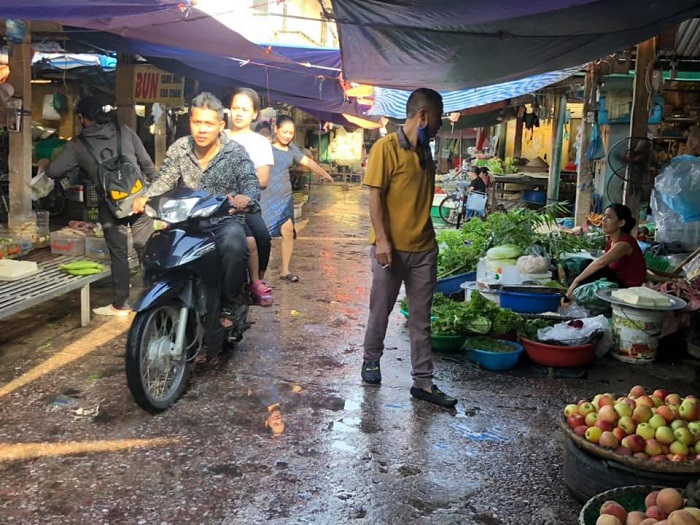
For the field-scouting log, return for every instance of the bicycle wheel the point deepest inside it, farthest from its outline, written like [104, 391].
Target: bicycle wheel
[451, 210]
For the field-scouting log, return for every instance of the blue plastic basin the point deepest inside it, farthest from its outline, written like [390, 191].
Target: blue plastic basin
[530, 303]
[497, 361]
[537, 197]
[450, 285]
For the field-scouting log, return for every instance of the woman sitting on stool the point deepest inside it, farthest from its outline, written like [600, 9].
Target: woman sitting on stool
[623, 262]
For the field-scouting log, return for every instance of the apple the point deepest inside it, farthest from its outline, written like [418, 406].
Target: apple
[581, 430]
[627, 424]
[613, 508]
[653, 447]
[664, 435]
[593, 434]
[637, 391]
[623, 409]
[678, 448]
[645, 400]
[640, 455]
[672, 399]
[660, 393]
[694, 427]
[660, 457]
[691, 396]
[678, 457]
[570, 410]
[646, 431]
[608, 440]
[619, 433]
[657, 421]
[678, 423]
[605, 426]
[683, 435]
[575, 421]
[591, 419]
[688, 410]
[642, 413]
[581, 401]
[634, 443]
[663, 411]
[656, 400]
[586, 408]
[655, 512]
[608, 413]
[624, 451]
[605, 400]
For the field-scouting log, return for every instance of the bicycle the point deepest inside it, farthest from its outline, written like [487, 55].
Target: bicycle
[462, 205]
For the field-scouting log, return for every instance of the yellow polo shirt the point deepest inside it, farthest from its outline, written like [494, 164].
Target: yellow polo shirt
[407, 189]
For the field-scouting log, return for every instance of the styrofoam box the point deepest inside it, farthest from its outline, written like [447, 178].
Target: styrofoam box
[62, 244]
[96, 247]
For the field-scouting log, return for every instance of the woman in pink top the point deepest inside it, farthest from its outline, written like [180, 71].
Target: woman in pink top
[623, 262]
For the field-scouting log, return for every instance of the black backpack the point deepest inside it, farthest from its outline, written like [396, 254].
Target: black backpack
[118, 181]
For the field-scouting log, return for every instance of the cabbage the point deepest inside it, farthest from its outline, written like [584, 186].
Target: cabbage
[479, 325]
[532, 264]
[505, 251]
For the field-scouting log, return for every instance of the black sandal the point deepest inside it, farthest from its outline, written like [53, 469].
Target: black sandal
[227, 314]
[292, 278]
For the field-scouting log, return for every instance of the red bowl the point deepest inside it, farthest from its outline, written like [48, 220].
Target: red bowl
[561, 356]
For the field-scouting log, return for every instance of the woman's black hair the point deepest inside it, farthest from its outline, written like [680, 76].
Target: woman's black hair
[283, 119]
[95, 109]
[483, 170]
[624, 214]
[263, 125]
[251, 94]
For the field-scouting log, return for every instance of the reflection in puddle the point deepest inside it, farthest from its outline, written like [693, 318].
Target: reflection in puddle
[341, 445]
[495, 435]
[351, 404]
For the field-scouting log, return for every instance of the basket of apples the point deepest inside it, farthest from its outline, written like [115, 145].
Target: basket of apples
[639, 505]
[655, 432]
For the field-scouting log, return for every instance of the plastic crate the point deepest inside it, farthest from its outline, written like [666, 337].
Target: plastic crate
[62, 244]
[90, 195]
[96, 247]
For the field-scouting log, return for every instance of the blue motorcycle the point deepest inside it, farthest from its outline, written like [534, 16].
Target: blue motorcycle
[177, 316]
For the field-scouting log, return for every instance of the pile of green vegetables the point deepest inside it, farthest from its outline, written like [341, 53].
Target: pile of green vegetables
[528, 330]
[460, 250]
[487, 344]
[477, 316]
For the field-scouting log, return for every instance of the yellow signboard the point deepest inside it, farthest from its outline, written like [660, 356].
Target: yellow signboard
[155, 85]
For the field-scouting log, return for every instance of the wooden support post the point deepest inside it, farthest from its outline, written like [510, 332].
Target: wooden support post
[20, 157]
[639, 124]
[518, 140]
[125, 90]
[585, 176]
[557, 140]
[502, 135]
[160, 139]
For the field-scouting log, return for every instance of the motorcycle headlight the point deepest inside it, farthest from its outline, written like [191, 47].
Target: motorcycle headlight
[207, 211]
[176, 210]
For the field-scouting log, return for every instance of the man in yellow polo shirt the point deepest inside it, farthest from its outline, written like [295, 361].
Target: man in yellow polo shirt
[401, 178]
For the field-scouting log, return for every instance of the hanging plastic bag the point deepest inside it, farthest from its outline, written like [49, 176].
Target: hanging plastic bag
[41, 186]
[48, 111]
[585, 295]
[595, 150]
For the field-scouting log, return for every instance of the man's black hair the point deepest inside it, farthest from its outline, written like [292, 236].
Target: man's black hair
[423, 98]
[206, 100]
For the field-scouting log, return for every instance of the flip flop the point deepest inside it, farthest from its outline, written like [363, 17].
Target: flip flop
[290, 277]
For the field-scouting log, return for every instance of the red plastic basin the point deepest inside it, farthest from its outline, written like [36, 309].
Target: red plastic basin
[561, 356]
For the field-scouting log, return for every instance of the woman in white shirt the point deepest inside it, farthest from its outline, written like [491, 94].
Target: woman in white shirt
[244, 109]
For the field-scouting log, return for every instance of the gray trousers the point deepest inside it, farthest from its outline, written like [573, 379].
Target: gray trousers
[418, 271]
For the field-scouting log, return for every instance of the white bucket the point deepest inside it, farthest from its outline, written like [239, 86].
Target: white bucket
[636, 334]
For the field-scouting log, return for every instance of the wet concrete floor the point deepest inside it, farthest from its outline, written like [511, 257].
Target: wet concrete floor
[349, 454]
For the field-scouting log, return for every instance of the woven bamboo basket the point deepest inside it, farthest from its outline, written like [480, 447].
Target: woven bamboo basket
[668, 467]
[631, 498]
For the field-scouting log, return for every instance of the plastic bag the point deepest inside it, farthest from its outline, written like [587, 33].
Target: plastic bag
[41, 186]
[566, 334]
[585, 295]
[573, 311]
[677, 190]
[595, 150]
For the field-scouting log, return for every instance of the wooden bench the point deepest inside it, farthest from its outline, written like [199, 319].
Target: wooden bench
[50, 282]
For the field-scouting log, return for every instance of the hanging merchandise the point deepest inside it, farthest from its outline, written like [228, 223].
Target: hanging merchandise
[48, 111]
[595, 150]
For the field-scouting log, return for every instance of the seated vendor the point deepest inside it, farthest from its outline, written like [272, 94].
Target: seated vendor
[623, 262]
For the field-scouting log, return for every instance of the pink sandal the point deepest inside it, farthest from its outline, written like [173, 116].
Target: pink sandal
[262, 294]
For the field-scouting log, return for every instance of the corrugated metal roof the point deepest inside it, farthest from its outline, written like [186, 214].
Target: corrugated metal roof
[688, 39]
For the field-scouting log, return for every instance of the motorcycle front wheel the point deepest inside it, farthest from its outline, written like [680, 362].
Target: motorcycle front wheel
[156, 374]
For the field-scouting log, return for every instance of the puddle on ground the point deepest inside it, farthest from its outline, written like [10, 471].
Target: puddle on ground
[351, 404]
[341, 445]
[495, 435]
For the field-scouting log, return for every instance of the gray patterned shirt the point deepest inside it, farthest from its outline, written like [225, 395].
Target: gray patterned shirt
[231, 172]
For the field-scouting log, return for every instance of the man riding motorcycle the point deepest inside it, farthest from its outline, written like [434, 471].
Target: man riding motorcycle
[207, 160]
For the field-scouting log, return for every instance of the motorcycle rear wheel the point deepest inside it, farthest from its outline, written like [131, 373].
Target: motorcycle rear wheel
[155, 377]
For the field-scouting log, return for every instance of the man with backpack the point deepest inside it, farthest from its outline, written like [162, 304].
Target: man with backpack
[114, 159]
